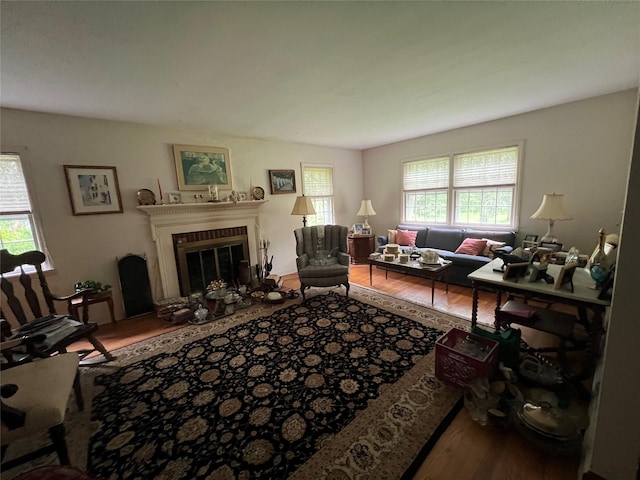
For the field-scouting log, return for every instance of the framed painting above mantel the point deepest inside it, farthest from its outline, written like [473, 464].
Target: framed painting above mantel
[197, 167]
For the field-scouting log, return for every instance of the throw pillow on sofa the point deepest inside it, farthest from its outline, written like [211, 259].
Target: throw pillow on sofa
[491, 245]
[472, 246]
[391, 236]
[406, 237]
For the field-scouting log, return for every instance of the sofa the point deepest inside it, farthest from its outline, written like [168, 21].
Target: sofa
[446, 240]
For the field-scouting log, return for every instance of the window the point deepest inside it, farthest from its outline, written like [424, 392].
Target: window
[318, 184]
[471, 189]
[19, 229]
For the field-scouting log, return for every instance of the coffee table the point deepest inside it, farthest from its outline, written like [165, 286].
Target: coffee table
[415, 268]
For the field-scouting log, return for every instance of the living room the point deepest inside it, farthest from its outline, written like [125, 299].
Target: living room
[578, 146]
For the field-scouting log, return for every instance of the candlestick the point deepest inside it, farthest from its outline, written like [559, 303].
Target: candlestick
[160, 191]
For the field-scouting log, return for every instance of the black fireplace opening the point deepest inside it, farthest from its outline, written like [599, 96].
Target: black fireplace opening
[202, 261]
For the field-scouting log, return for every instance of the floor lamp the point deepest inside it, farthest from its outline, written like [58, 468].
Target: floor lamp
[304, 207]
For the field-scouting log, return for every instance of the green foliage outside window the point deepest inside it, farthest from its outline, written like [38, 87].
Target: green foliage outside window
[16, 234]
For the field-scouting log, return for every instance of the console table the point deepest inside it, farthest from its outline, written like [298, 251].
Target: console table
[590, 308]
[360, 246]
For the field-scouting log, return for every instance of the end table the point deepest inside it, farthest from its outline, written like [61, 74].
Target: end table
[360, 246]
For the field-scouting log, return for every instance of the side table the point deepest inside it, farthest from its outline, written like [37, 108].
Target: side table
[360, 246]
[76, 303]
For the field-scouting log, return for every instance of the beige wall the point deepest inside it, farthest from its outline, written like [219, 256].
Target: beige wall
[580, 149]
[86, 247]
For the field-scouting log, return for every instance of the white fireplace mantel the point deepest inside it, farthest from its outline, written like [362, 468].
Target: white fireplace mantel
[167, 220]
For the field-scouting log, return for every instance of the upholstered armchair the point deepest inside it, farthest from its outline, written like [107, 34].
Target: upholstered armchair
[322, 260]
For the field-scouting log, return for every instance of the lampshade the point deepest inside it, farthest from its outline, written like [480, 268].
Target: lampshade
[304, 207]
[366, 209]
[551, 209]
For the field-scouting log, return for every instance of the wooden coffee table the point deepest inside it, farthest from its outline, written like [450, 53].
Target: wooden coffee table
[415, 268]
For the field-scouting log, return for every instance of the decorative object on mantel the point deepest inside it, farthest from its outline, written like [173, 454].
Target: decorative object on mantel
[93, 189]
[304, 207]
[366, 210]
[282, 181]
[199, 167]
[174, 198]
[257, 193]
[213, 193]
[551, 209]
[146, 197]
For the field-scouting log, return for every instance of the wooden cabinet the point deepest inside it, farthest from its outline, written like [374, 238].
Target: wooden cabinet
[360, 246]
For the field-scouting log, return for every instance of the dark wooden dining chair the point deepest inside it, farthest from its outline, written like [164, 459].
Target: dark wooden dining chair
[61, 331]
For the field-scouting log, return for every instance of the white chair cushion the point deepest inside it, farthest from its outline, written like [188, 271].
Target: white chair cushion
[43, 393]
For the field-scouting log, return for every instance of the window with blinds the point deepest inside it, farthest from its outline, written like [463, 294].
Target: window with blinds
[19, 231]
[317, 181]
[468, 189]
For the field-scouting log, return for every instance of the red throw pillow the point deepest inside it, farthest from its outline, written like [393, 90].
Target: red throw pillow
[406, 237]
[472, 246]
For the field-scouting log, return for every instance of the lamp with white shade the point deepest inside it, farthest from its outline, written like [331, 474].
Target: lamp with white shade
[551, 209]
[366, 210]
[304, 207]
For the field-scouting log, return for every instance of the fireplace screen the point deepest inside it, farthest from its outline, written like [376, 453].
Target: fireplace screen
[201, 262]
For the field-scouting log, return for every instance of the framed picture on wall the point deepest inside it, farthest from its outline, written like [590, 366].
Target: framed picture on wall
[93, 189]
[282, 181]
[198, 167]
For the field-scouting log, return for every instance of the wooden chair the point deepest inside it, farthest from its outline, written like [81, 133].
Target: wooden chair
[34, 399]
[61, 330]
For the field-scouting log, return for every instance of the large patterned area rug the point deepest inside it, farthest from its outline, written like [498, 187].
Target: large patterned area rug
[330, 388]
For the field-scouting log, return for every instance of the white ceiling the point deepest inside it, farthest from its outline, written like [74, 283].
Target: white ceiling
[344, 74]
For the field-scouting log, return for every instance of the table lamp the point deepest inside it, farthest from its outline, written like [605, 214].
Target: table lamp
[304, 207]
[551, 209]
[366, 210]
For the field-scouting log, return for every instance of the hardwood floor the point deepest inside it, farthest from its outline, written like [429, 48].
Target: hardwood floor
[466, 450]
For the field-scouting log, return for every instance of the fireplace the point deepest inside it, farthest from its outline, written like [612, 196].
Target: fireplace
[205, 256]
[193, 219]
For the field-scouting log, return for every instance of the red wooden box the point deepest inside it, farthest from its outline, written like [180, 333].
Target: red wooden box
[458, 368]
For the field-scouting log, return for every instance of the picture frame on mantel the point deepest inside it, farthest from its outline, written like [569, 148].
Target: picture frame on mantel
[197, 167]
[93, 189]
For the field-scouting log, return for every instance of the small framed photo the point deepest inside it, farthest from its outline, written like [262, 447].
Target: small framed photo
[282, 181]
[174, 197]
[531, 238]
[357, 228]
[538, 272]
[515, 270]
[198, 167]
[93, 189]
[366, 230]
[565, 277]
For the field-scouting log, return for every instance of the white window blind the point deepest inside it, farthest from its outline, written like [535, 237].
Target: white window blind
[426, 174]
[318, 184]
[14, 196]
[493, 167]
[318, 181]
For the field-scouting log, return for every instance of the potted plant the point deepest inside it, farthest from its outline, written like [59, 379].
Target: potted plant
[97, 287]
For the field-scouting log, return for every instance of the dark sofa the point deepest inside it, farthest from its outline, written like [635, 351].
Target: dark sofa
[445, 241]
